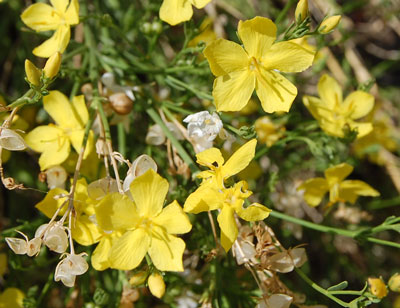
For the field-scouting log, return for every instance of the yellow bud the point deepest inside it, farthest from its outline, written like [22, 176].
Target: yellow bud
[32, 73]
[301, 11]
[394, 283]
[156, 285]
[378, 287]
[52, 65]
[138, 279]
[329, 24]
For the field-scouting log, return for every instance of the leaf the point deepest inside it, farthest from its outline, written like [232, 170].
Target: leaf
[340, 286]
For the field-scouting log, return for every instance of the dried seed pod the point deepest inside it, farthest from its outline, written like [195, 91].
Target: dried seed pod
[56, 177]
[12, 141]
[121, 103]
[139, 166]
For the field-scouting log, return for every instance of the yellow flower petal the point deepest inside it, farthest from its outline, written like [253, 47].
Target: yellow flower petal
[173, 219]
[12, 298]
[200, 3]
[76, 138]
[225, 57]
[64, 114]
[316, 107]
[116, 212]
[175, 11]
[129, 250]
[72, 13]
[314, 190]
[85, 232]
[359, 103]
[49, 205]
[79, 110]
[100, 255]
[275, 92]
[337, 173]
[258, 35]
[329, 91]
[55, 154]
[149, 191]
[254, 212]
[203, 199]
[166, 251]
[287, 57]
[43, 137]
[350, 190]
[209, 157]
[58, 42]
[240, 159]
[232, 92]
[227, 224]
[41, 17]
[363, 129]
[59, 5]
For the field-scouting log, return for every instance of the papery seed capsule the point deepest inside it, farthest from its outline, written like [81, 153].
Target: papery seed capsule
[56, 177]
[121, 103]
[12, 141]
[19, 246]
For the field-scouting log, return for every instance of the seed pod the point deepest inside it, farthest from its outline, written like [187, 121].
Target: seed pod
[56, 177]
[139, 167]
[156, 285]
[52, 65]
[32, 73]
[19, 246]
[121, 103]
[12, 141]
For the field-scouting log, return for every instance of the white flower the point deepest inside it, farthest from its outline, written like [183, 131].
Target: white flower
[11, 141]
[56, 177]
[54, 236]
[139, 166]
[70, 267]
[203, 125]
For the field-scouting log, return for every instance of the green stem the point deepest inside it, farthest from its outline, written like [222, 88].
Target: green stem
[121, 139]
[104, 120]
[197, 92]
[182, 152]
[22, 100]
[321, 228]
[320, 289]
[45, 289]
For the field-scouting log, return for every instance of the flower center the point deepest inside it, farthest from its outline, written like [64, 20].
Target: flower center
[254, 64]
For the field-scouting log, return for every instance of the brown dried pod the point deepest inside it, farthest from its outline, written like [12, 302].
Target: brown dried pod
[121, 103]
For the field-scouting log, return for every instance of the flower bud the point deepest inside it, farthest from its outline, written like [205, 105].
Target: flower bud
[378, 287]
[394, 283]
[138, 279]
[156, 285]
[121, 103]
[301, 11]
[52, 65]
[32, 73]
[329, 24]
[12, 141]
[55, 238]
[19, 246]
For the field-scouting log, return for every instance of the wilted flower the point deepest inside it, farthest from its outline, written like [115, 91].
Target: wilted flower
[70, 267]
[56, 177]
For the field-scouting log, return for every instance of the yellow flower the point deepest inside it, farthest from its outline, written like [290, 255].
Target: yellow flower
[177, 11]
[59, 17]
[339, 190]
[229, 201]
[206, 35]
[241, 70]
[54, 141]
[84, 230]
[146, 226]
[333, 114]
[12, 298]
[378, 287]
[220, 171]
[267, 131]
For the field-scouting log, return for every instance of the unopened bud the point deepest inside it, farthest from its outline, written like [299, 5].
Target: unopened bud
[121, 103]
[378, 287]
[329, 24]
[52, 65]
[394, 283]
[156, 285]
[301, 11]
[12, 141]
[138, 279]
[32, 73]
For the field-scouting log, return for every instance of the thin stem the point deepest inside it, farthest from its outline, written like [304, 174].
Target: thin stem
[214, 230]
[320, 289]
[121, 139]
